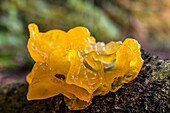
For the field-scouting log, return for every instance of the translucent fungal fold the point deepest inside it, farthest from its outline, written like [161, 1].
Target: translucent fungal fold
[73, 64]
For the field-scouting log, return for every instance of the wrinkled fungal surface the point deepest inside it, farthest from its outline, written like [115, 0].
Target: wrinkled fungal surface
[73, 64]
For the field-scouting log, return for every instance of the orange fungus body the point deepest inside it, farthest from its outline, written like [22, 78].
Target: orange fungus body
[73, 64]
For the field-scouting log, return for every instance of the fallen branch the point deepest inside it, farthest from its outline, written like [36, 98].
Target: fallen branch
[149, 92]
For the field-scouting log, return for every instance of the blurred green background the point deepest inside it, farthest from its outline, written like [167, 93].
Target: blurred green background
[148, 21]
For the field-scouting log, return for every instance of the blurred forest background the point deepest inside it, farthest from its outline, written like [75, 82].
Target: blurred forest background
[148, 21]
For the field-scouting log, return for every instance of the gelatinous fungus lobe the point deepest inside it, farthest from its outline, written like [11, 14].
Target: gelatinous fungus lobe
[73, 64]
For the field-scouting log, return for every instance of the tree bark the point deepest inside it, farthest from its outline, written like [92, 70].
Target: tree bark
[149, 92]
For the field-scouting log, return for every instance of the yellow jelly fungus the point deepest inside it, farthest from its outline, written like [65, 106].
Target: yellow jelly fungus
[73, 64]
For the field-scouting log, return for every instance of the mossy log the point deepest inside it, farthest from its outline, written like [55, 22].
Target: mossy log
[149, 92]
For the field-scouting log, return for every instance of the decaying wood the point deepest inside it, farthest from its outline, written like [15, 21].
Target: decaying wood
[149, 92]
